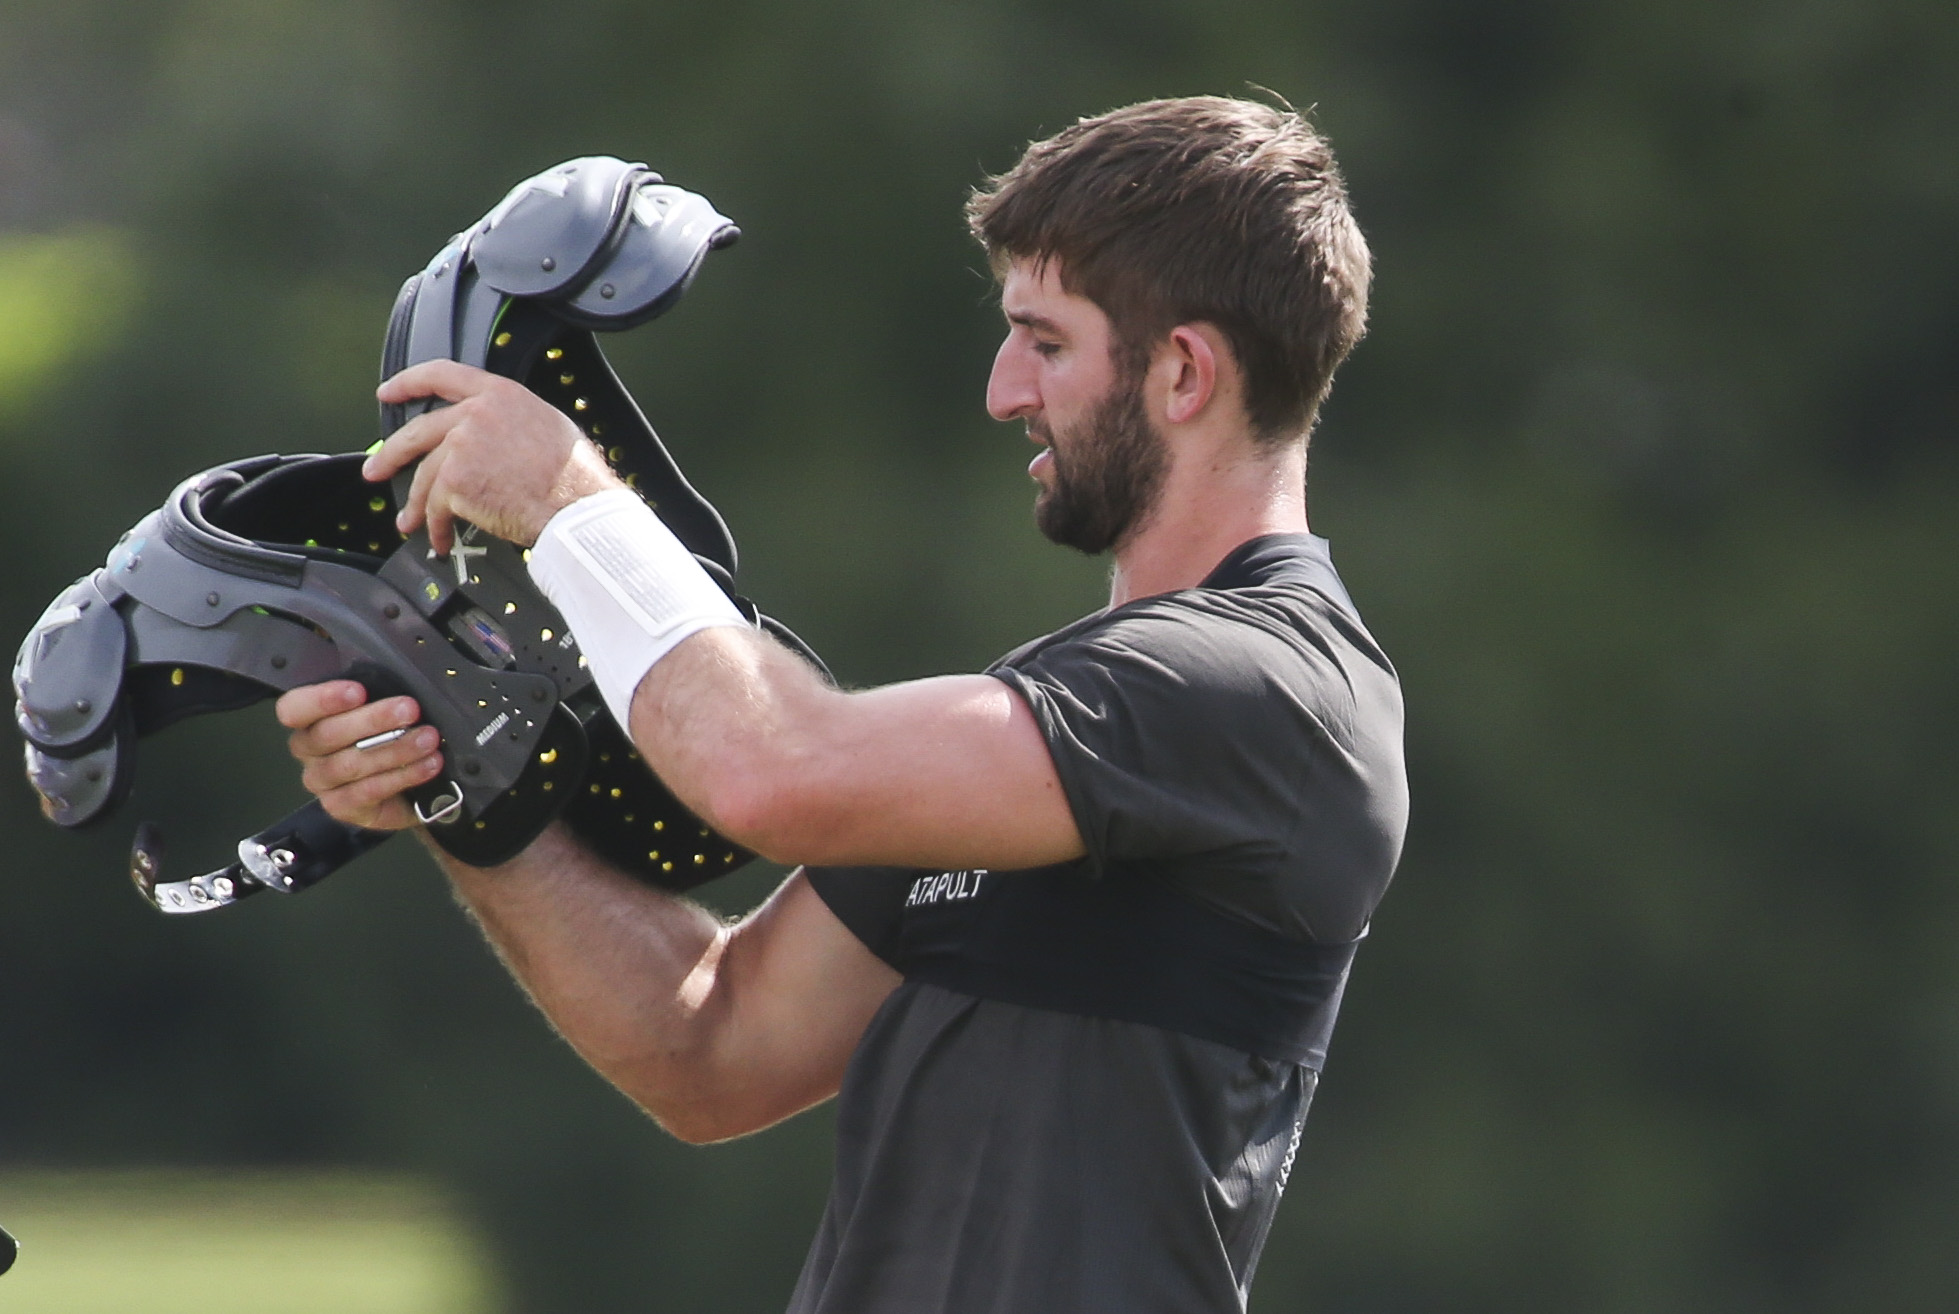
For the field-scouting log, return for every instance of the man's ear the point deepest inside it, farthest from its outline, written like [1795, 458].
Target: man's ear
[1196, 364]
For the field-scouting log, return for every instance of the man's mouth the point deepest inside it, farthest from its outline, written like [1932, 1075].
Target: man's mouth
[1043, 459]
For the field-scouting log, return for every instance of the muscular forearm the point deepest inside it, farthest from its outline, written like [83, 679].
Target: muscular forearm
[738, 727]
[716, 1029]
[946, 772]
[629, 975]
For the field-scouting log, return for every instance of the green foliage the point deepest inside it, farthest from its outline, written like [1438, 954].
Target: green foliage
[63, 296]
[1644, 477]
[238, 1243]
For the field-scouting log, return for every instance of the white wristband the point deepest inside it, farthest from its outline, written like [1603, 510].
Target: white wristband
[627, 588]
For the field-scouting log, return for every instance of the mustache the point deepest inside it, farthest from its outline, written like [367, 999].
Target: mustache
[1040, 432]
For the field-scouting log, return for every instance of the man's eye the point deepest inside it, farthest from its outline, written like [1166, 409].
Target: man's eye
[1047, 348]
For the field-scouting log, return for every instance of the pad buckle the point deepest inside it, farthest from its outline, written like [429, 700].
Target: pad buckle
[444, 807]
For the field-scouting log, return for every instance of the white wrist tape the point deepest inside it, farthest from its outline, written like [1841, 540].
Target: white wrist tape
[627, 587]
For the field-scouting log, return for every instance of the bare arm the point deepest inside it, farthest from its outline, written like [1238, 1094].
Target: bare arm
[946, 772]
[715, 1029]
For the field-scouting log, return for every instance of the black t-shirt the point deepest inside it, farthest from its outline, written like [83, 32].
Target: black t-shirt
[1087, 1092]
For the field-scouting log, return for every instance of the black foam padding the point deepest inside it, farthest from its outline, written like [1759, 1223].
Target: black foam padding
[627, 815]
[318, 504]
[566, 367]
[161, 696]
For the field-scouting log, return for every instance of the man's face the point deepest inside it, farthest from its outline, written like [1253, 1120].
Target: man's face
[1101, 462]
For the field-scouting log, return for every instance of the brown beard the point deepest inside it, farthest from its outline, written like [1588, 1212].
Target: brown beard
[1107, 473]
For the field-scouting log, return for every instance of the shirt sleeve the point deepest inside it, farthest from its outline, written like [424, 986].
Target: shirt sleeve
[1177, 733]
[867, 900]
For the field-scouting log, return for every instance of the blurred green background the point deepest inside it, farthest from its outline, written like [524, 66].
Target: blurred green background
[264, 1241]
[1646, 478]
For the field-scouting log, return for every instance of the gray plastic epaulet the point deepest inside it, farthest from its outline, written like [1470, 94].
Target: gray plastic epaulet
[546, 235]
[68, 673]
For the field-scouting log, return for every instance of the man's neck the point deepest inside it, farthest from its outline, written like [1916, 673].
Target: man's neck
[1206, 508]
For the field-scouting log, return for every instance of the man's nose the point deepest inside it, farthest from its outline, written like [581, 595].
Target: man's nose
[1010, 390]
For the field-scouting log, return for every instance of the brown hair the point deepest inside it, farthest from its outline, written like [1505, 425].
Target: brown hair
[1197, 209]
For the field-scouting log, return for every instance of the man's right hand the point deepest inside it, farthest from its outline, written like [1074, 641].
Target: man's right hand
[360, 786]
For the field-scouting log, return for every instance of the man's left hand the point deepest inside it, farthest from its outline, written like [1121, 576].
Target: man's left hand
[498, 455]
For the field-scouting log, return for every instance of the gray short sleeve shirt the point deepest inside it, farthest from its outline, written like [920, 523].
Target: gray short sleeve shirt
[1087, 1091]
